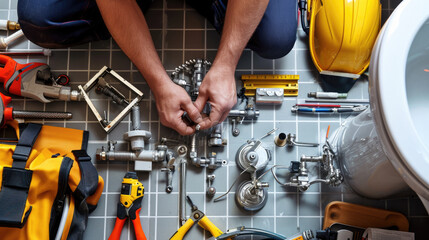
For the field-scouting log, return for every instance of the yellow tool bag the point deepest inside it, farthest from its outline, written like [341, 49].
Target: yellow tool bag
[48, 184]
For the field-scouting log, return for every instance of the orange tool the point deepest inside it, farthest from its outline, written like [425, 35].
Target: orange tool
[7, 113]
[34, 80]
[132, 193]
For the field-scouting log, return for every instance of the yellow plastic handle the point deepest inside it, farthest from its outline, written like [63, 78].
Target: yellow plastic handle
[179, 234]
[209, 226]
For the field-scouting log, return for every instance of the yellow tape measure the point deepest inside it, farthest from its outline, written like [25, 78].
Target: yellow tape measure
[131, 189]
[253, 81]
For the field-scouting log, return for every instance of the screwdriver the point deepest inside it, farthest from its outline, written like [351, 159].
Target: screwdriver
[7, 113]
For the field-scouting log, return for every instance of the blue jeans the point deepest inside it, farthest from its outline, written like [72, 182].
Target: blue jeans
[64, 23]
[275, 35]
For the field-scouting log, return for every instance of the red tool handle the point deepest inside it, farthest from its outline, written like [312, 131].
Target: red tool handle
[116, 233]
[138, 227]
[11, 73]
[9, 66]
[7, 112]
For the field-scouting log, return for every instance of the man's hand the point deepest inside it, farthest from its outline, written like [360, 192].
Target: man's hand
[172, 101]
[218, 88]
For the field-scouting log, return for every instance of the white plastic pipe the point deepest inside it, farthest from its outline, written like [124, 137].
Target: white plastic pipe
[3, 24]
[5, 41]
[63, 219]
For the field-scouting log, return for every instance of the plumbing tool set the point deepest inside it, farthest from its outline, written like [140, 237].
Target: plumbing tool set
[108, 90]
[35, 80]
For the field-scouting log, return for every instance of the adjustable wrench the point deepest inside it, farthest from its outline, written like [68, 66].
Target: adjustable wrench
[33, 80]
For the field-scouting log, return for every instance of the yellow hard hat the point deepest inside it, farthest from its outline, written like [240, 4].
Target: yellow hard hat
[342, 34]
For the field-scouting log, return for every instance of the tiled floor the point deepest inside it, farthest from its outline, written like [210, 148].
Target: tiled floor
[180, 33]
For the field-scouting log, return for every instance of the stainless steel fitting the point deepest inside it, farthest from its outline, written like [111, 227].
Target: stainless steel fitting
[252, 156]
[137, 139]
[190, 75]
[169, 170]
[215, 138]
[211, 191]
[182, 150]
[290, 142]
[238, 116]
[333, 175]
[252, 195]
[210, 162]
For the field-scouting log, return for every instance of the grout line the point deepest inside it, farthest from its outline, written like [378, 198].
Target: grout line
[88, 74]
[275, 160]
[171, 70]
[183, 34]
[319, 174]
[169, 49]
[108, 165]
[201, 193]
[129, 128]
[236, 216]
[252, 63]
[227, 173]
[244, 122]
[205, 145]
[164, 32]
[8, 17]
[296, 126]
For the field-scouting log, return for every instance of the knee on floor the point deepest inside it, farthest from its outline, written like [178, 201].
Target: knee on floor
[275, 45]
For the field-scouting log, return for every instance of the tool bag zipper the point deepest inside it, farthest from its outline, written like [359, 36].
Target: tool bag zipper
[58, 205]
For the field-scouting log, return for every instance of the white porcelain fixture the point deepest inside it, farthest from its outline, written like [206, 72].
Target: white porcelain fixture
[385, 150]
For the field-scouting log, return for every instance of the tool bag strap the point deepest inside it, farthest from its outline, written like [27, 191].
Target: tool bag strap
[25, 144]
[16, 181]
[89, 176]
[87, 187]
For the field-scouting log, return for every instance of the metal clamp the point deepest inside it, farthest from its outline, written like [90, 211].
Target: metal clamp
[107, 89]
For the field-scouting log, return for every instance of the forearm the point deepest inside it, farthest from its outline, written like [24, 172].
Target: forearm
[128, 27]
[242, 18]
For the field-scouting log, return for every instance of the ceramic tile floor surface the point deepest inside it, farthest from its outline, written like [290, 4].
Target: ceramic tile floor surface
[180, 33]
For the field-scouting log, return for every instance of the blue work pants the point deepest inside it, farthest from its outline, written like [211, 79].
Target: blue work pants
[64, 23]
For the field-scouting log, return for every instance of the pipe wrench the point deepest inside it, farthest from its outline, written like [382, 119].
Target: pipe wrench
[33, 80]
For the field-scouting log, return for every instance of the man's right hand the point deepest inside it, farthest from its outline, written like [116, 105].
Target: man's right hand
[172, 101]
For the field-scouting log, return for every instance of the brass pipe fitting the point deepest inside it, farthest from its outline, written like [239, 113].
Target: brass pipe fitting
[280, 140]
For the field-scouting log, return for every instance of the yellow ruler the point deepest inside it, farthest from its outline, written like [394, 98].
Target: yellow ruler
[253, 81]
